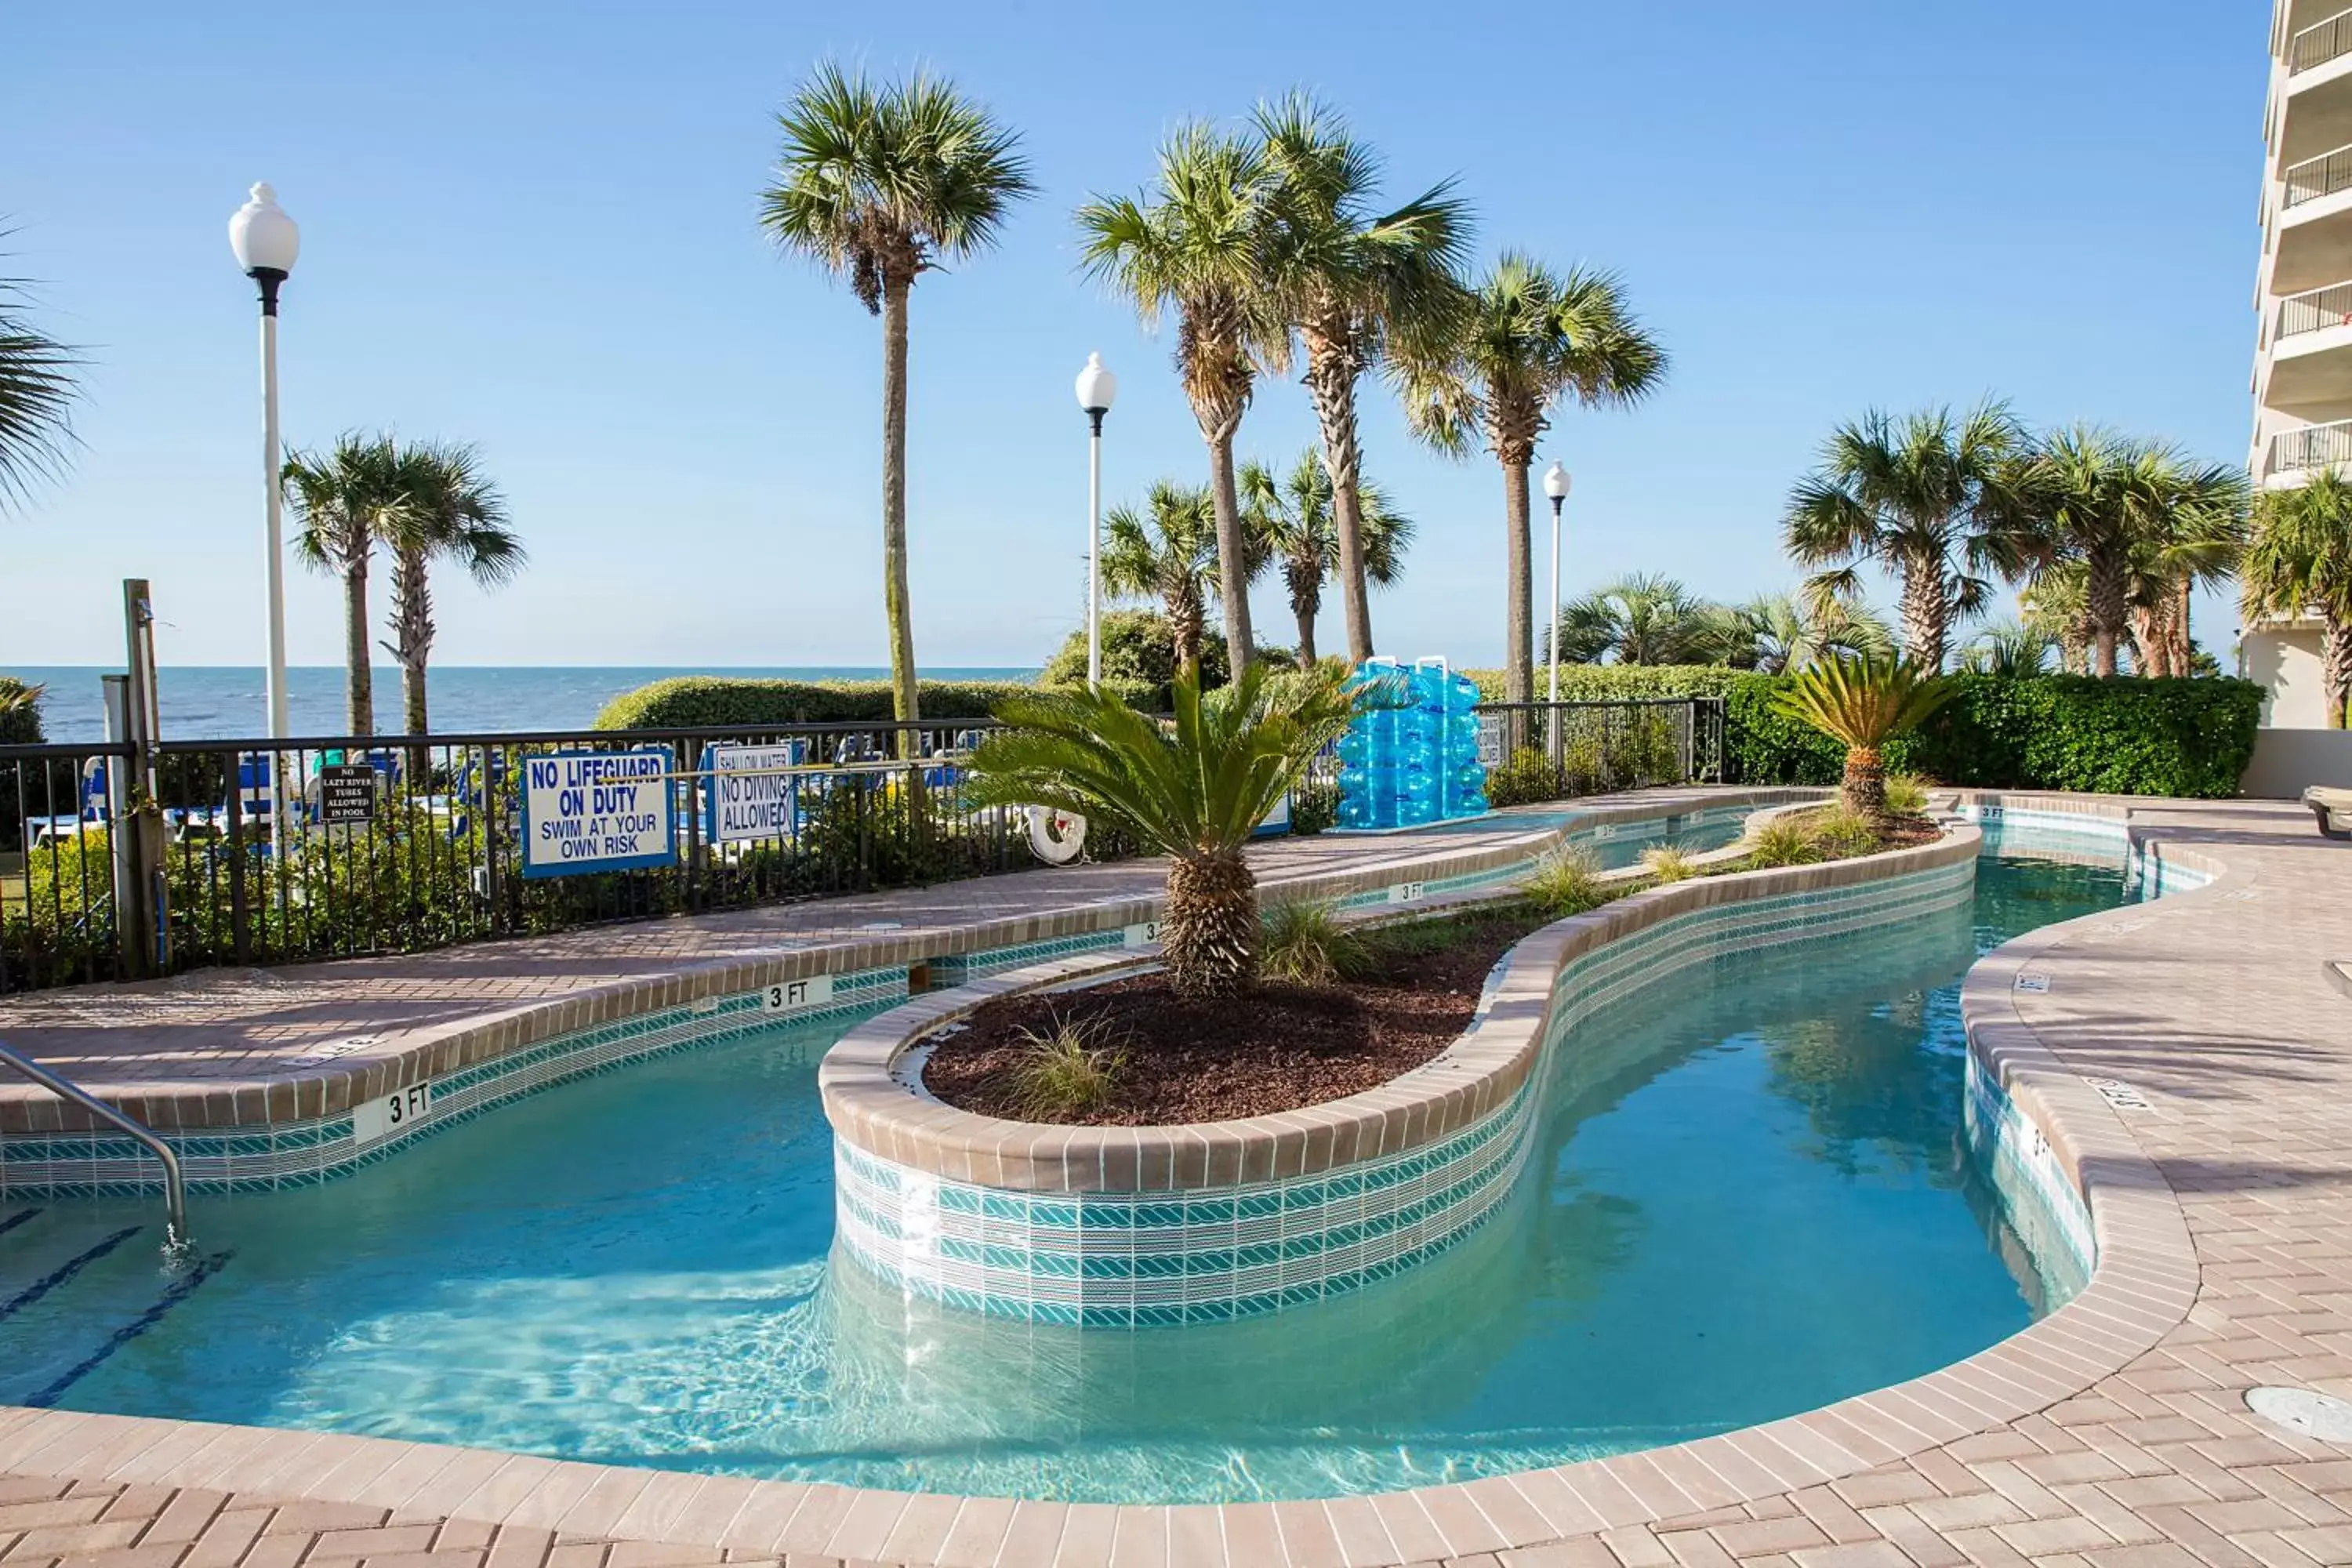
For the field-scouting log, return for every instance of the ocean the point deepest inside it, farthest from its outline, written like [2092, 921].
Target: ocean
[223, 702]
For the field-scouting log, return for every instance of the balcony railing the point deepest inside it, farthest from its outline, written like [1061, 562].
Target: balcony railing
[2315, 309]
[2312, 446]
[2319, 43]
[2321, 176]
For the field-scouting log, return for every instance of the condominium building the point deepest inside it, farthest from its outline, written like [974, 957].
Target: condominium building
[2303, 297]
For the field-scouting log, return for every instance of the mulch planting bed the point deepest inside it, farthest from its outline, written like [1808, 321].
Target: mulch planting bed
[1278, 1048]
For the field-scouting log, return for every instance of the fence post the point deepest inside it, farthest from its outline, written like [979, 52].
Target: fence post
[689, 751]
[1690, 742]
[144, 913]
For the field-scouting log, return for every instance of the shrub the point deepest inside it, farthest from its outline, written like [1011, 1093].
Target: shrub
[1566, 881]
[1782, 841]
[1668, 863]
[693, 701]
[1139, 658]
[1314, 807]
[1528, 777]
[1303, 943]
[1072, 1067]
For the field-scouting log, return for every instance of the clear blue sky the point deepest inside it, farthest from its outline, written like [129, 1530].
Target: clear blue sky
[532, 226]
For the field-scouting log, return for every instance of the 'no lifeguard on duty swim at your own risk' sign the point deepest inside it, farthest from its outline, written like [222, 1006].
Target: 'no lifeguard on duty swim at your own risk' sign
[597, 811]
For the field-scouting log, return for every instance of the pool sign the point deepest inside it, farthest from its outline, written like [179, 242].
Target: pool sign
[748, 793]
[597, 811]
[346, 792]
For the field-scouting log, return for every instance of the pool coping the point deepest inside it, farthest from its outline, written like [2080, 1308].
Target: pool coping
[2142, 1285]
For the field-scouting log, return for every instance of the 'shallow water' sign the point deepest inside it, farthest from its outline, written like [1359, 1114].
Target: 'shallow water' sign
[748, 793]
[597, 811]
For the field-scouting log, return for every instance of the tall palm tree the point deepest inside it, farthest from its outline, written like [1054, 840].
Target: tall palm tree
[2298, 561]
[36, 395]
[2195, 538]
[1194, 790]
[2054, 603]
[1290, 522]
[1353, 280]
[1528, 338]
[346, 500]
[1643, 619]
[1195, 245]
[1782, 633]
[884, 183]
[1168, 552]
[1925, 496]
[450, 511]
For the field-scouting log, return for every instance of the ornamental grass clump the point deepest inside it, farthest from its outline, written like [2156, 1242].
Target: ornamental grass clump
[1304, 944]
[1842, 832]
[1782, 840]
[1907, 795]
[1668, 863]
[1071, 1067]
[1192, 788]
[1566, 881]
[1863, 704]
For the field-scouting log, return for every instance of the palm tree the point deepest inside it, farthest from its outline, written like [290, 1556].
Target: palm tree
[1926, 496]
[1781, 634]
[2299, 563]
[346, 500]
[36, 395]
[2195, 538]
[2054, 603]
[1643, 619]
[1863, 704]
[450, 511]
[1169, 553]
[1290, 522]
[2010, 648]
[1352, 280]
[1196, 246]
[1194, 790]
[884, 183]
[1528, 339]
[20, 712]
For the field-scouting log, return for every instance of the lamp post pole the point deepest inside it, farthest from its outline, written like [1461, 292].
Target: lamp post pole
[1555, 488]
[266, 242]
[1096, 387]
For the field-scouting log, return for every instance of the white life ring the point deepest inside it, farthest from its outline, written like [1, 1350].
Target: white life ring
[1056, 836]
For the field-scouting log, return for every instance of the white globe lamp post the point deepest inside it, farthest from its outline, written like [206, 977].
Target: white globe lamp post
[1556, 487]
[1096, 388]
[266, 242]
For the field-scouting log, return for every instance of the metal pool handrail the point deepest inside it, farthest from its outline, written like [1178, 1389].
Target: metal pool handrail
[175, 1197]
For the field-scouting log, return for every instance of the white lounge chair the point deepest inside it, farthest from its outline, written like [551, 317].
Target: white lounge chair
[2332, 808]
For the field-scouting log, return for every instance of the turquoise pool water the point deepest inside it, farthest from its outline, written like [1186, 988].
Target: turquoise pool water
[1748, 1198]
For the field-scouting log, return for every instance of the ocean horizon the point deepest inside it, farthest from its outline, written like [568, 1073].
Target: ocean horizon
[210, 702]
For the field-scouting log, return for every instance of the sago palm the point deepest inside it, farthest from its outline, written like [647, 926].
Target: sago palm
[1924, 496]
[1528, 338]
[37, 395]
[1193, 789]
[1290, 523]
[1195, 245]
[2298, 561]
[883, 184]
[346, 501]
[1168, 552]
[450, 511]
[1352, 279]
[1863, 704]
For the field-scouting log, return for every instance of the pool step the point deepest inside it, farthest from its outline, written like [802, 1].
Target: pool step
[75, 1288]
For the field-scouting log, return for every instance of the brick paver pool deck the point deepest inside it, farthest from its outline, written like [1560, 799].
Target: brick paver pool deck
[2112, 1433]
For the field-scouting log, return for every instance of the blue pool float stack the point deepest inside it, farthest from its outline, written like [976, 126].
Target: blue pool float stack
[1416, 761]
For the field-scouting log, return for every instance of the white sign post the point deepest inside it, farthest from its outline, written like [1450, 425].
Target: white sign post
[597, 811]
[748, 793]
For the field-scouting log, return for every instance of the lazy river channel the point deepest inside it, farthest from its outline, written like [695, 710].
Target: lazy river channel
[1750, 1196]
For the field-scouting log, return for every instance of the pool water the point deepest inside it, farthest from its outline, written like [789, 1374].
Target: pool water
[1749, 1198]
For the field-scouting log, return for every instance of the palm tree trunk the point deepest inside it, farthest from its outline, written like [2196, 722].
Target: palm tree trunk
[1332, 369]
[359, 678]
[1863, 789]
[2106, 603]
[905, 704]
[1185, 617]
[2184, 663]
[1231, 576]
[1519, 573]
[1209, 939]
[1927, 612]
[2335, 669]
[1306, 599]
[412, 612]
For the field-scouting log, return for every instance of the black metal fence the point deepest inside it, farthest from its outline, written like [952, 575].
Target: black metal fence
[398, 844]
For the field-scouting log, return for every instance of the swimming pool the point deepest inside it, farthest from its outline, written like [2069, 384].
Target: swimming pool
[1747, 1198]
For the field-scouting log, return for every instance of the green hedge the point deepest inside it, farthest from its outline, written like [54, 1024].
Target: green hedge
[687, 701]
[2182, 738]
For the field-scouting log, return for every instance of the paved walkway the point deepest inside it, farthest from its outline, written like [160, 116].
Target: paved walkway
[2226, 1202]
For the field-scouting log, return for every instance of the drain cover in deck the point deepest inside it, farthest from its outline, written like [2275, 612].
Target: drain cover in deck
[2304, 1413]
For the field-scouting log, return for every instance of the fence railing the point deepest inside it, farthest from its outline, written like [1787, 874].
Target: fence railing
[2315, 309]
[400, 844]
[2312, 446]
[2317, 177]
[2319, 43]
